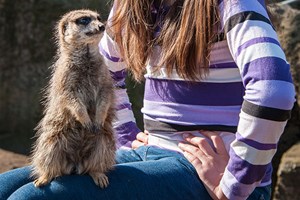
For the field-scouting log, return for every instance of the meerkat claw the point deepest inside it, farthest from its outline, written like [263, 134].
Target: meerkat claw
[100, 179]
[40, 182]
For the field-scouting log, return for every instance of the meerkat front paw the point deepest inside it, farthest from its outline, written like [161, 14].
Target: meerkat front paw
[100, 179]
[41, 182]
[82, 116]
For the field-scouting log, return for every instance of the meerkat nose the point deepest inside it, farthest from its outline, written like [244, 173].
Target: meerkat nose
[101, 27]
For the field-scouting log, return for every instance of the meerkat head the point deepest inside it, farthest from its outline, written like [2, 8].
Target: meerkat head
[80, 27]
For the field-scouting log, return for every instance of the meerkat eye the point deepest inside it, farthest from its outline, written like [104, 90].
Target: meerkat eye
[83, 21]
[98, 18]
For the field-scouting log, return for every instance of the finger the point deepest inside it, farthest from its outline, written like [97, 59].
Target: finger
[192, 159]
[194, 150]
[219, 145]
[208, 133]
[216, 140]
[142, 137]
[201, 143]
[135, 144]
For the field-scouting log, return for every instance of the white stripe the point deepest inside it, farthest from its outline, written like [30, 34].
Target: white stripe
[121, 97]
[251, 154]
[123, 116]
[171, 121]
[111, 49]
[170, 140]
[222, 75]
[219, 54]
[257, 51]
[271, 93]
[249, 30]
[155, 56]
[229, 8]
[261, 130]
[229, 184]
[110, 46]
[114, 66]
[111, 13]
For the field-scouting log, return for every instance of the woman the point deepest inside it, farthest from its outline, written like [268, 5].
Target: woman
[209, 65]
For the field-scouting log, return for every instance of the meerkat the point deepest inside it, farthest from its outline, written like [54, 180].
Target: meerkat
[75, 134]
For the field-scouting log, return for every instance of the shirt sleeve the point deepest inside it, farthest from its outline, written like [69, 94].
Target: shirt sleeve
[125, 125]
[269, 94]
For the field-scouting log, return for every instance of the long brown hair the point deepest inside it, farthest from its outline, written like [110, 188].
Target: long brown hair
[187, 33]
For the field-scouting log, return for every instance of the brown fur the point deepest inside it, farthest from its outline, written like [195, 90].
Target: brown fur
[76, 134]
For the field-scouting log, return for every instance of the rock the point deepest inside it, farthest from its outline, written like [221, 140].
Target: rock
[10, 160]
[287, 23]
[289, 175]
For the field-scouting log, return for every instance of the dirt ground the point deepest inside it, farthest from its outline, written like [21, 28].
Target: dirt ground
[10, 160]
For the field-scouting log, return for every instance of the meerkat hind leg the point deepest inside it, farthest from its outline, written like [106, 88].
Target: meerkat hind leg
[100, 179]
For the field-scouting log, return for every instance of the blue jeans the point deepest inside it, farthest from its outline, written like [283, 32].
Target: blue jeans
[145, 173]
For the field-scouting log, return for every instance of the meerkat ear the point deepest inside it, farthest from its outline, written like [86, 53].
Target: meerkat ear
[62, 27]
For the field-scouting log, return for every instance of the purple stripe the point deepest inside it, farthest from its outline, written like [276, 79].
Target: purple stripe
[267, 68]
[119, 75]
[255, 144]
[244, 171]
[194, 93]
[124, 106]
[268, 175]
[262, 2]
[255, 41]
[126, 133]
[192, 115]
[224, 65]
[111, 58]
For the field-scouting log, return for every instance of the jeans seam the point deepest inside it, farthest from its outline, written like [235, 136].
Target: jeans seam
[135, 155]
[145, 153]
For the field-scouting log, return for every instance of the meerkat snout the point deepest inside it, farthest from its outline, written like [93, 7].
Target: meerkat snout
[102, 28]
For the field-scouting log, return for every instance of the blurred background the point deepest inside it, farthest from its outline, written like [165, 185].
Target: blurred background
[27, 50]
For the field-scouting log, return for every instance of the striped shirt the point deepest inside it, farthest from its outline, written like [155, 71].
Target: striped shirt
[248, 91]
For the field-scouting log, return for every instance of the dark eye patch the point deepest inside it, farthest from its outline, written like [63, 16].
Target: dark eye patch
[98, 18]
[83, 21]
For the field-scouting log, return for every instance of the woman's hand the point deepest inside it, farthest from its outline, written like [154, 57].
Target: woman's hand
[209, 160]
[141, 140]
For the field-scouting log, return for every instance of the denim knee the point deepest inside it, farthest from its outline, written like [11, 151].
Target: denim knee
[10, 181]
